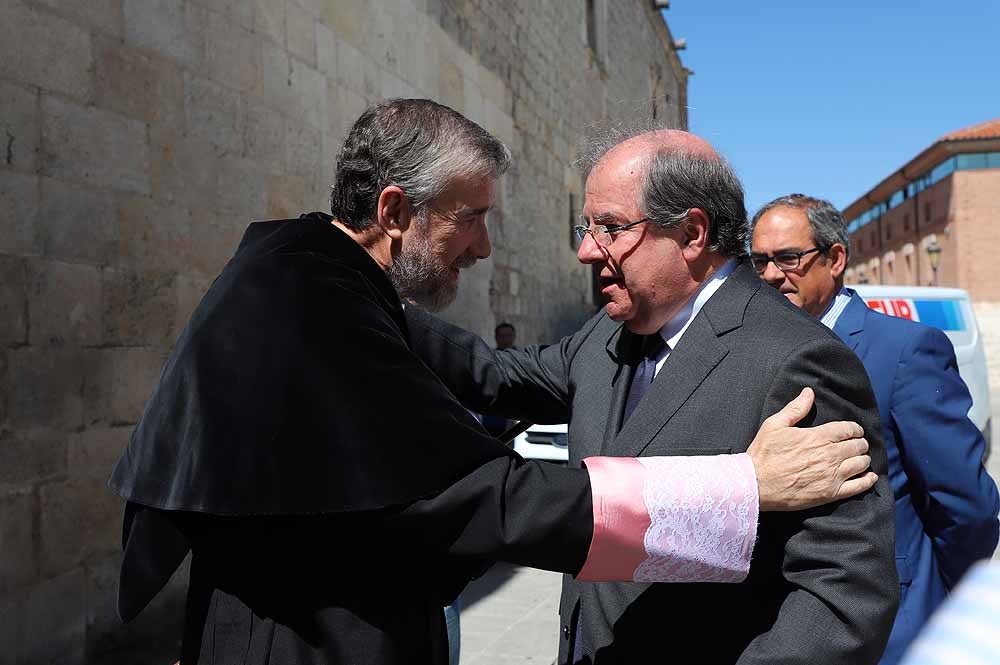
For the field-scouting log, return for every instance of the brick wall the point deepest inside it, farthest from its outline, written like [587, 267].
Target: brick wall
[137, 140]
[975, 218]
[892, 248]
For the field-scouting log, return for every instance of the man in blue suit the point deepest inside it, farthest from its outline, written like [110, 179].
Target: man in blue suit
[946, 503]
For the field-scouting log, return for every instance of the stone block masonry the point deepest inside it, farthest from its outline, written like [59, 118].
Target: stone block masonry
[138, 138]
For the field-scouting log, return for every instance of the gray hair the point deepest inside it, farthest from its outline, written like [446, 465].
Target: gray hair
[677, 180]
[828, 225]
[417, 145]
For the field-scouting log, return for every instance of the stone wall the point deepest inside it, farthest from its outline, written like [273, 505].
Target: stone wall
[137, 140]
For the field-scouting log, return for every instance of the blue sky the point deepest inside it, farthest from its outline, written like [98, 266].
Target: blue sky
[827, 98]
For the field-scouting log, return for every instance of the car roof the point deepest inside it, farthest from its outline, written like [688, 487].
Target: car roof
[926, 292]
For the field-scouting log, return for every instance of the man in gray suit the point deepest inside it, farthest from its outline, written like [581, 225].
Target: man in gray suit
[692, 351]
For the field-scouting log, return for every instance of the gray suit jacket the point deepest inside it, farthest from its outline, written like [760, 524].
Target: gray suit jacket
[822, 586]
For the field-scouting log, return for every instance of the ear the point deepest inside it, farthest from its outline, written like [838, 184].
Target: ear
[694, 242]
[837, 256]
[393, 212]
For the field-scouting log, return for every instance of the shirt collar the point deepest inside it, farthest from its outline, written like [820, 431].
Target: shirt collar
[675, 327]
[835, 308]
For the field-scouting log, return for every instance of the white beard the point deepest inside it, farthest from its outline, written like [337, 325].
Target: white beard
[418, 275]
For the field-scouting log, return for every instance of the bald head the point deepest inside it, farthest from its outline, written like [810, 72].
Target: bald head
[668, 172]
[648, 144]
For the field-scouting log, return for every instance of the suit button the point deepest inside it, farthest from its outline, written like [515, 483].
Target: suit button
[565, 632]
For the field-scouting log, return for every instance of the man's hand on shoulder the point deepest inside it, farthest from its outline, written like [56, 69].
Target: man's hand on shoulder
[799, 468]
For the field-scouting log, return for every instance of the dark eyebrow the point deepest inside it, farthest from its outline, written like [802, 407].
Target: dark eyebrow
[605, 219]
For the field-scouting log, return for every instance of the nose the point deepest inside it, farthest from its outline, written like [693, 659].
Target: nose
[772, 275]
[481, 246]
[589, 251]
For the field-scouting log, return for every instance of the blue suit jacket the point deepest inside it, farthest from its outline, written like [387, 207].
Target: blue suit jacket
[946, 503]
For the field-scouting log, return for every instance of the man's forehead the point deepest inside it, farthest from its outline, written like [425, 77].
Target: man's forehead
[613, 185]
[621, 165]
[783, 228]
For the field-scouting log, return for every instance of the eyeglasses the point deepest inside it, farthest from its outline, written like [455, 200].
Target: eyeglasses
[603, 235]
[784, 261]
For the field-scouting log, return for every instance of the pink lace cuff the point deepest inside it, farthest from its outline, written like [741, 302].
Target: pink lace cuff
[672, 519]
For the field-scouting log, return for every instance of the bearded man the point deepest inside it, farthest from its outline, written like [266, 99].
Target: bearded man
[335, 495]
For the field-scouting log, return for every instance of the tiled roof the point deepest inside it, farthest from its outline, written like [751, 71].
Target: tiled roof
[984, 130]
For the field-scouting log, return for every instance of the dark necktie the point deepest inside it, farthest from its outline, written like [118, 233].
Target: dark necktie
[645, 370]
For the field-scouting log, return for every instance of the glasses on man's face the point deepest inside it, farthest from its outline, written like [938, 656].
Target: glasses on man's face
[785, 261]
[603, 235]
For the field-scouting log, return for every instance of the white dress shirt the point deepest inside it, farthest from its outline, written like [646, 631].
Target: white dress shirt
[672, 331]
[835, 308]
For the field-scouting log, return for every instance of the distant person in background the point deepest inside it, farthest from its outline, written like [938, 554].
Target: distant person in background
[505, 335]
[946, 503]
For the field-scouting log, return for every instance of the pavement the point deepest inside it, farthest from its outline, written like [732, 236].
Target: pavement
[511, 614]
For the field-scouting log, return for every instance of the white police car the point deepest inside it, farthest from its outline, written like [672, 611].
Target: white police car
[950, 311]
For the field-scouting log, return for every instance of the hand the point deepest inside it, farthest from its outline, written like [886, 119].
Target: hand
[802, 468]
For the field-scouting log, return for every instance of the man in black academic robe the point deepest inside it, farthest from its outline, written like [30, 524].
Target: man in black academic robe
[332, 491]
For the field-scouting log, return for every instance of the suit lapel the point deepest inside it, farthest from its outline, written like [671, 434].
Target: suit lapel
[696, 355]
[699, 351]
[621, 348]
[851, 322]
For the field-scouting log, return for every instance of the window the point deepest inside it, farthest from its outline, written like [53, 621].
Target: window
[973, 161]
[593, 28]
[942, 171]
[655, 84]
[591, 25]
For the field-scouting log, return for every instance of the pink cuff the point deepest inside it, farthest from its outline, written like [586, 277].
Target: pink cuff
[672, 519]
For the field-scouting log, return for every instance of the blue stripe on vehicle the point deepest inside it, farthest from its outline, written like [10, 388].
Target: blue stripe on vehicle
[942, 314]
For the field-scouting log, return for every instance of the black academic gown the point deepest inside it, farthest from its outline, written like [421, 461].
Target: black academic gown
[332, 491]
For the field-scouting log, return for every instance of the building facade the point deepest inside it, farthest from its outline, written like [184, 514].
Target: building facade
[936, 222]
[138, 138]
